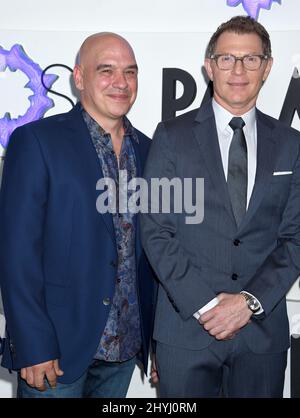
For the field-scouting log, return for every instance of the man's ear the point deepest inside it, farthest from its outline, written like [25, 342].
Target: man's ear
[207, 65]
[78, 78]
[268, 69]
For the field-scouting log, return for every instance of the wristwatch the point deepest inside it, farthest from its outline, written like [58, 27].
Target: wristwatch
[252, 302]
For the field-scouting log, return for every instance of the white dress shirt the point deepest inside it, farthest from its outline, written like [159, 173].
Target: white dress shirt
[225, 134]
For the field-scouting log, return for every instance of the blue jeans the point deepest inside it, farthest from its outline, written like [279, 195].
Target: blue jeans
[101, 380]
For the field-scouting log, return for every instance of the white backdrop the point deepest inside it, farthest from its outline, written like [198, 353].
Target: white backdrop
[169, 33]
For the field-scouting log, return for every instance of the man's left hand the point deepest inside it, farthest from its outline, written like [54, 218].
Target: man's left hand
[228, 317]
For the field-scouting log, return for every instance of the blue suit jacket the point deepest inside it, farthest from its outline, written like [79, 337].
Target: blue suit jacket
[194, 263]
[58, 255]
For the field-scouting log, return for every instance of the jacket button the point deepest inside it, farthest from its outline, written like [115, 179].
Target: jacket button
[234, 276]
[106, 301]
[12, 348]
[113, 263]
[236, 242]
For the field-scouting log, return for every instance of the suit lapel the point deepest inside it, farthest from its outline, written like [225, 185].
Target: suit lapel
[205, 132]
[206, 135]
[266, 159]
[84, 148]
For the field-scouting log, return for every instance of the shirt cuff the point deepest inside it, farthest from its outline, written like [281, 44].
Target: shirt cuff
[206, 308]
[2, 326]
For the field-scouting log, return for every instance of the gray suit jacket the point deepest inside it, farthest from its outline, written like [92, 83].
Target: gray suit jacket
[194, 263]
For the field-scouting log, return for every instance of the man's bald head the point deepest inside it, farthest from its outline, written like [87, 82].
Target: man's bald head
[106, 77]
[104, 39]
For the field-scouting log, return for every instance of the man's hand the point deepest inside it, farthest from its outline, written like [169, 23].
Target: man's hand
[154, 373]
[229, 316]
[35, 375]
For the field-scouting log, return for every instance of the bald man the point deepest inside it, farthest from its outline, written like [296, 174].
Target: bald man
[76, 286]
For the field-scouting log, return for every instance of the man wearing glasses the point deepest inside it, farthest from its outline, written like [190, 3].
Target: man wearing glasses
[221, 323]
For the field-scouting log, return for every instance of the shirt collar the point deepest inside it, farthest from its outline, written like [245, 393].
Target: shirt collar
[128, 128]
[223, 117]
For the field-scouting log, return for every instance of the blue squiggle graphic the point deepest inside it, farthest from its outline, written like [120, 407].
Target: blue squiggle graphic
[252, 7]
[16, 59]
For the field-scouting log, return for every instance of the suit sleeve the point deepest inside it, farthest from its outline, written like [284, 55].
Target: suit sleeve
[23, 207]
[276, 275]
[184, 283]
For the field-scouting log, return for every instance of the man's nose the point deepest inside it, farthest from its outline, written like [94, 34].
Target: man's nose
[238, 67]
[120, 80]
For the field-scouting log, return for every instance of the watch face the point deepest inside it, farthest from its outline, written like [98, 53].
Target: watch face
[252, 302]
[253, 305]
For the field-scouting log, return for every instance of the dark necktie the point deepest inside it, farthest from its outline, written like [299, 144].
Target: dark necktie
[237, 178]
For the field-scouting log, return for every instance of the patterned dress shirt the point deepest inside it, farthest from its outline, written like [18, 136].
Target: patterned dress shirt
[121, 339]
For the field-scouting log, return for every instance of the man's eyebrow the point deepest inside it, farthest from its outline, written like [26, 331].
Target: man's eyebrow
[132, 67]
[102, 66]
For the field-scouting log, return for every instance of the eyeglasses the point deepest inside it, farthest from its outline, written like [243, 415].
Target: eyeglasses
[228, 61]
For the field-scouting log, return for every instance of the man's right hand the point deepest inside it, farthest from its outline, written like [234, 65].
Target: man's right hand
[35, 375]
[154, 372]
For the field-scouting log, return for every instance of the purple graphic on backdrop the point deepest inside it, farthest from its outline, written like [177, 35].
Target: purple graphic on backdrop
[16, 59]
[252, 7]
